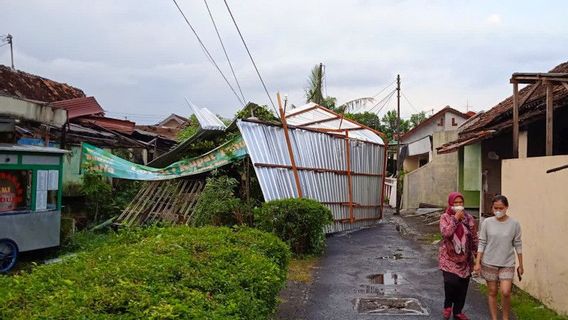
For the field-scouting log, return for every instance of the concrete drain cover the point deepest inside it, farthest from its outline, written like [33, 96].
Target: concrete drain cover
[390, 306]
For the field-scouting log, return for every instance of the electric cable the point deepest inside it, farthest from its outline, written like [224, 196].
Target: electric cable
[250, 56]
[224, 50]
[207, 53]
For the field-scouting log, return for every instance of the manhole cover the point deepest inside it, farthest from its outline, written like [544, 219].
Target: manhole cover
[390, 306]
[387, 278]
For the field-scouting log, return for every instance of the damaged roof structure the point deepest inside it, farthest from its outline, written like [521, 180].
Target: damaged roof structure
[314, 153]
[498, 119]
[86, 120]
[321, 156]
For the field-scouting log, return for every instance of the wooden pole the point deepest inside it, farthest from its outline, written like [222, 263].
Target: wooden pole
[289, 145]
[382, 181]
[398, 162]
[349, 178]
[549, 119]
[515, 119]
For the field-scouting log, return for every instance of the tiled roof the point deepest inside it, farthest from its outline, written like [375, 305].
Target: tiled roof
[78, 107]
[28, 86]
[503, 111]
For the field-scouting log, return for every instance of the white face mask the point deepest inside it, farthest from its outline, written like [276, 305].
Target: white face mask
[457, 208]
[499, 214]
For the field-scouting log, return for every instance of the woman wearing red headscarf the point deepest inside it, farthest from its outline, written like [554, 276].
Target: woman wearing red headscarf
[457, 250]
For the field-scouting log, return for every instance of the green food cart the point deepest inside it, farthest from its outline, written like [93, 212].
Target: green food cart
[30, 200]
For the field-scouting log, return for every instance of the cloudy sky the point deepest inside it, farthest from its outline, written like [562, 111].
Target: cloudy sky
[140, 59]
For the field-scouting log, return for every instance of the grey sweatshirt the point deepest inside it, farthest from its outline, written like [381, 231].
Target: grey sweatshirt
[498, 242]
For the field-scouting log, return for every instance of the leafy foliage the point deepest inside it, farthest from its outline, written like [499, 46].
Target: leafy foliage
[369, 119]
[389, 121]
[417, 118]
[102, 199]
[257, 111]
[217, 204]
[190, 130]
[298, 222]
[156, 273]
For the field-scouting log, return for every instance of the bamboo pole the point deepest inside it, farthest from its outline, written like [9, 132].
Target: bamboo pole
[349, 178]
[289, 145]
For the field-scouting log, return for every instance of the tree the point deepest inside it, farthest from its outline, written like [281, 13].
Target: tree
[417, 118]
[314, 93]
[389, 122]
[369, 119]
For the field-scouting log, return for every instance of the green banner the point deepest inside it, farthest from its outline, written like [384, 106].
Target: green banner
[105, 163]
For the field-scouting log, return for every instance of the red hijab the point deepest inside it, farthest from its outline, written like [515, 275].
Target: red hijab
[451, 198]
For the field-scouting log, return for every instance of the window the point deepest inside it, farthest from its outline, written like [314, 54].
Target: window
[15, 190]
[454, 123]
[46, 190]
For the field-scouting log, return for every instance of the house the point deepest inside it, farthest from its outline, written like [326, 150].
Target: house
[173, 121]
[424, 168]
[85, 120]
[519, 148]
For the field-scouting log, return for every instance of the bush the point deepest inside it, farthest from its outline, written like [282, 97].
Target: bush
[298, 222]
[156, 273]
[217, 203]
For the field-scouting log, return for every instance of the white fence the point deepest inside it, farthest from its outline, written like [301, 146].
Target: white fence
[390, 191]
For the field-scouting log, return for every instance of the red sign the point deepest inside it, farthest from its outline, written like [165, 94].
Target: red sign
[11, 191]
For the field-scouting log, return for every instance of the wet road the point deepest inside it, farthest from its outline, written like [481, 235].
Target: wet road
[370, 267]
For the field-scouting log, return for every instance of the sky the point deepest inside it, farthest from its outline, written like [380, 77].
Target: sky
[140, 60]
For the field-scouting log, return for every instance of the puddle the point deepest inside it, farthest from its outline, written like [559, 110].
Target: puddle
[387, 278]
[375, 290]
[390, 306]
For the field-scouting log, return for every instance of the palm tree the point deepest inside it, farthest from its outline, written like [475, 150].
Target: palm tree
[314, 93]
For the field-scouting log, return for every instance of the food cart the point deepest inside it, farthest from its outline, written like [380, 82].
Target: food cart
[30, 200]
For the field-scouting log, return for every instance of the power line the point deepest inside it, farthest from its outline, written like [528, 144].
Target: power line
[224, 50]
[386, 98]
[208, 54]
[413, 107]
[250, 56]
[387, 102]
[384, 88]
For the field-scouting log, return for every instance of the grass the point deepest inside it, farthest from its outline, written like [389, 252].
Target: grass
[301, 269]
[431, 237]
[526, 307]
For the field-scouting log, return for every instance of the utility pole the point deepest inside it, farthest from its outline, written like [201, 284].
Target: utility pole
[9, 39]
[398, 163]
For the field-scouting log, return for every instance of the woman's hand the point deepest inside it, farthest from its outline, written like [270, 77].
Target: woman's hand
[460, 215]
[521, 270]
[477, 268]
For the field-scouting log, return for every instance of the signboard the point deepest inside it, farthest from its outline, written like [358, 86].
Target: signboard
[105, 163]
[11, 190]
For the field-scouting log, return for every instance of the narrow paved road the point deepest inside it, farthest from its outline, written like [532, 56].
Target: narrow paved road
[378, 263]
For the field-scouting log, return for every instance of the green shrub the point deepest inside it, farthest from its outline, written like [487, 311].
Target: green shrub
[298, 222]
[217, 203]
[156, 273]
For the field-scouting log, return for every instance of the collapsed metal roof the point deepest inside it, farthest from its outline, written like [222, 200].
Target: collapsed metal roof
[313, 116]
[344, 173]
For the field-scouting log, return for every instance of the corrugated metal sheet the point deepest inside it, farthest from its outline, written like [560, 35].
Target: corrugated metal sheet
[322, 160]
[207, 120]
[78, 107]
[313, 116]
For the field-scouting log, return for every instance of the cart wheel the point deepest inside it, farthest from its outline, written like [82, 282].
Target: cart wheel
[8, 255]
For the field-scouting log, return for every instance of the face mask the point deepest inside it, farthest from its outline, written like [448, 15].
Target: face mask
[499, 214]
[457, 208]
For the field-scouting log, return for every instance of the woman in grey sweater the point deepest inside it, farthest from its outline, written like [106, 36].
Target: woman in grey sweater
[499, 238]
